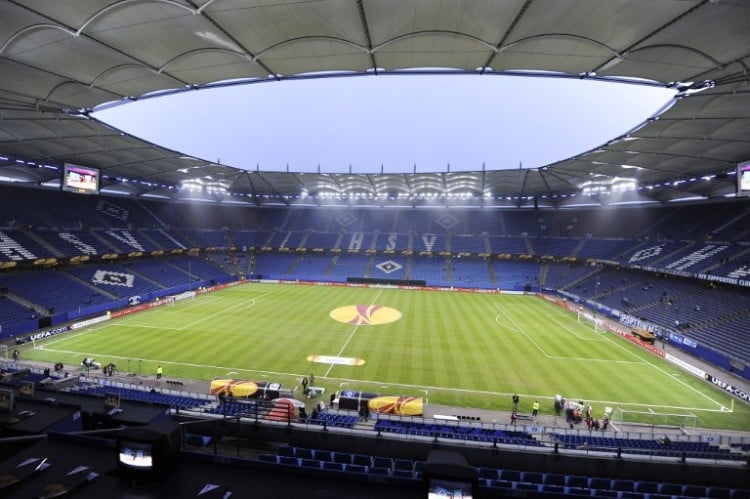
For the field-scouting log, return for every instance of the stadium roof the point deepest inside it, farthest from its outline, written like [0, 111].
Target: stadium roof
[60, 60]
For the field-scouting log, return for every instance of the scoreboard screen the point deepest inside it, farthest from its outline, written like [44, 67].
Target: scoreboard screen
[743, 178]
[81, 179]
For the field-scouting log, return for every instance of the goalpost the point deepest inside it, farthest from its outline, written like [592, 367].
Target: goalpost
[587, 318]
[688, 422]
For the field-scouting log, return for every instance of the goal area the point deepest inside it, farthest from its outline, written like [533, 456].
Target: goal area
[587, 318]
[687, 422]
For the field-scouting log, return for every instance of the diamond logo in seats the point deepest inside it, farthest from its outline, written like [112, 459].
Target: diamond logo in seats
[346, 220]
[389, 266]
[447, 221]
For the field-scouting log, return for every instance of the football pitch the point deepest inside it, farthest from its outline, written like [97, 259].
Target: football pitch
[459, 349]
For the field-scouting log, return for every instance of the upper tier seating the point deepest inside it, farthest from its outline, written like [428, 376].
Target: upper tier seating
[52, 291]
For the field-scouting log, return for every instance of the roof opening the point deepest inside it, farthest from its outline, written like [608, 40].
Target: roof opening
[391, 123]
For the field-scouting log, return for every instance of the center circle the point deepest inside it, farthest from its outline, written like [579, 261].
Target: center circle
[365, 315]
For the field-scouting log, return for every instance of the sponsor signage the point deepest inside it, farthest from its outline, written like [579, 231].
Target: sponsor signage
[46, 334]
[89, 322]
[684, 365]
[737, 392]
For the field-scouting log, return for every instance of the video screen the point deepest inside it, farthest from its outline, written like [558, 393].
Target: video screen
[450, 489]
[743, 179]
[80, 179]
[136, 454]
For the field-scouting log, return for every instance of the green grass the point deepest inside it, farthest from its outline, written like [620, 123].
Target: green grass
[461, 349]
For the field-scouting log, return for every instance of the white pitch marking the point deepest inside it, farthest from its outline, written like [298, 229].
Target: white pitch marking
[351, 336]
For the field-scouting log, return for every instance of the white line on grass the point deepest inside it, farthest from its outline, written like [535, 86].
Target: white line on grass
[721, 406]
[572, 331]
[69, 336]
[145, 326]
[380, 383]
[519, 329]
[612, 361]
[249, 303]
[350, 336]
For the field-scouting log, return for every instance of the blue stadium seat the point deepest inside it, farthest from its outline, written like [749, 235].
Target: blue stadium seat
[488, 473]
[552, 489]
[362, 460]
[402, 474]
[554, 479]
[694, 491]
[355, 468]
[577, 481]
[290, 461]
[577, 491]
[403, 464]
[532, 477]
[631, 495]
[310, 463]
[527, 486]
[604, 493]
[331, 466]
[647, 487]
[510, 475]
[268, 458]
[719, 492]
[373, 470]
[303, 453]
[382, 462]
[500, 484]
[342, 457]
[623, 485]
[600, 483]
[672, 489]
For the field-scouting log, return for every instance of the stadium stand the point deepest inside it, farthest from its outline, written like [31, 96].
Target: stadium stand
[395, 244]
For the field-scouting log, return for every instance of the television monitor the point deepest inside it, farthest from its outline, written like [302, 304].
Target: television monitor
[447, 474]
[440, 488]
[111, 401]
[133, 454]
[81, 179]
[146, 453]
[743, 178]
[6, 400]
[26, 388]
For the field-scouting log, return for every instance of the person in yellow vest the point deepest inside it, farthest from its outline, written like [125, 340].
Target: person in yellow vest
[159, 372]
[535, 408]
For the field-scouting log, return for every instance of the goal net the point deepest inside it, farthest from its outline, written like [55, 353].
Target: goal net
[588, 319]
[688, 422]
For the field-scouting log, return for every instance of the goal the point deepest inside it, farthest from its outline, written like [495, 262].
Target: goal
[587, 318]
[688, 422]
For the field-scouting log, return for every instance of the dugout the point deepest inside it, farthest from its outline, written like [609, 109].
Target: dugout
[354, 401]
